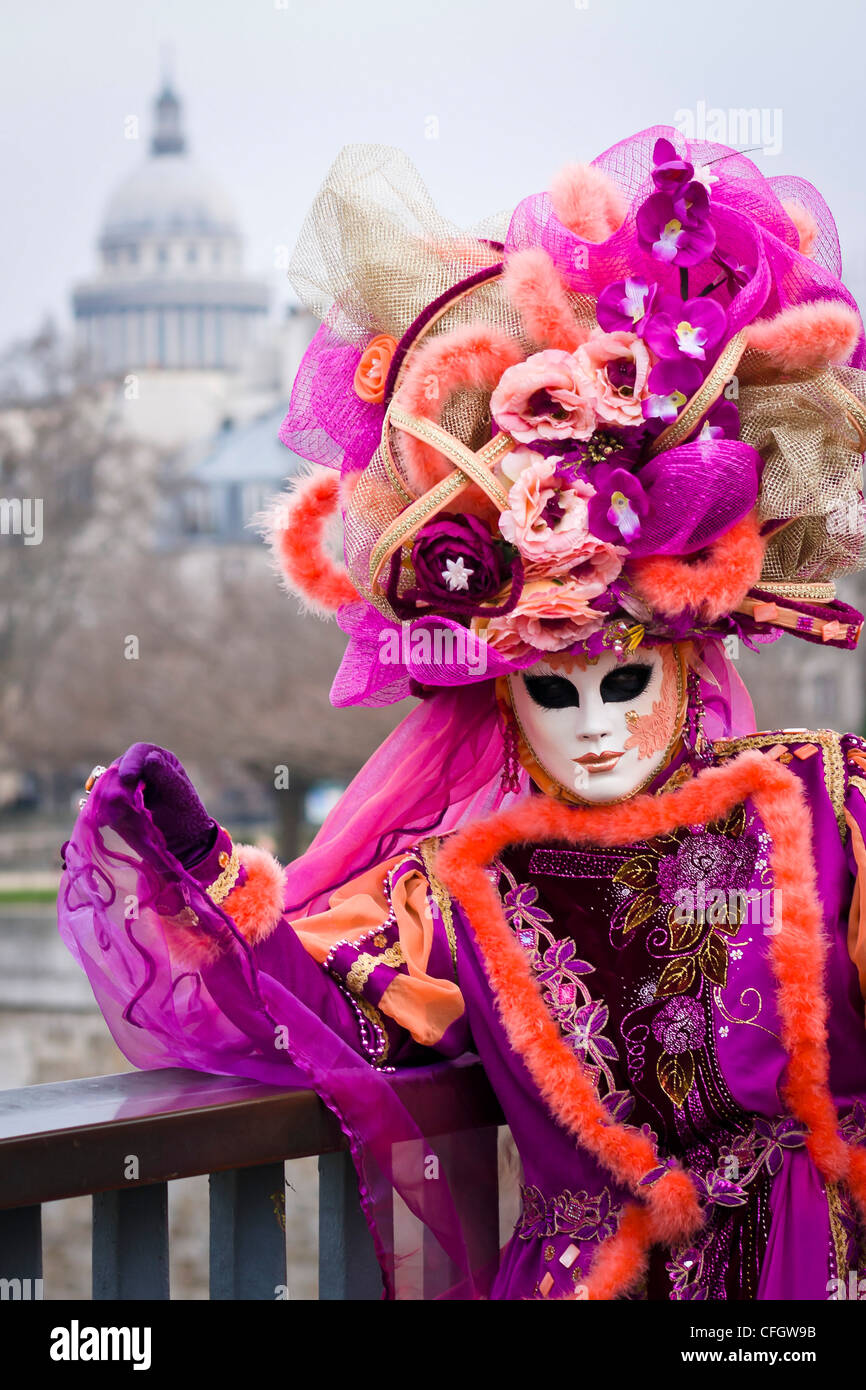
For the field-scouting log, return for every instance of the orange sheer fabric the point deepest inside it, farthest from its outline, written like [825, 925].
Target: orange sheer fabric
[416, 1000]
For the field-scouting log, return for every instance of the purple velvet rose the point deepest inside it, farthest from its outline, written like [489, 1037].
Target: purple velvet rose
[458, 565]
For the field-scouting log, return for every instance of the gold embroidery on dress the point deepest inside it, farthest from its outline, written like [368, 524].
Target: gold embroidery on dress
[837, 1229]
[366, 964]
[428, 849]
[832, 762]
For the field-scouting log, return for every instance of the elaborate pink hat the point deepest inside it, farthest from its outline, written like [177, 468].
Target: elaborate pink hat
[631, 411]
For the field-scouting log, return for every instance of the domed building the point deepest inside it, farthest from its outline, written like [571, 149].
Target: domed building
[171, 292]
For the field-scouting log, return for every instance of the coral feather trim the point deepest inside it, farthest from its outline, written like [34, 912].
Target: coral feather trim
[587, 201]
[807, 227]
[669, 1206]
[709, 587]
[807, 336]
[295, 531]
[535, 288]
[256, 905]
[472, 356]
[621, 1259]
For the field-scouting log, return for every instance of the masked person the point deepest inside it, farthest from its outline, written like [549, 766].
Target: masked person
[578, 458]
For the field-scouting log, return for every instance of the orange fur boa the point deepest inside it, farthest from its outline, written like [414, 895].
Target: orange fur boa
[668, 1210]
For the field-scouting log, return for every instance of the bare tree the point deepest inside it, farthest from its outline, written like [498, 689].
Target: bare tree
[107, 637]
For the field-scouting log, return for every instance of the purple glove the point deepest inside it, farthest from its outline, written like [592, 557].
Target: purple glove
[171, 799]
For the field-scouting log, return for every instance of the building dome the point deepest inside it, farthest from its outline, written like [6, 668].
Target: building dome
[170, 290]
[168, 196]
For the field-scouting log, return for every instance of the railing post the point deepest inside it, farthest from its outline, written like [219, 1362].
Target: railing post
[130, 1243]
[21, 1250]
[470, 1159]
[248, 1232]
[348, 1268]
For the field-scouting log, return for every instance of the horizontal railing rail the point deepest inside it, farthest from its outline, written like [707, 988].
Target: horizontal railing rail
[75, 1138]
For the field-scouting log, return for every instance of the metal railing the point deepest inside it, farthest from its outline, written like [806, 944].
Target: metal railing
[76, 1138]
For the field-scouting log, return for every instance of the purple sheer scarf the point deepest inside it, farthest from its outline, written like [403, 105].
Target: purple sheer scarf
[179, 986]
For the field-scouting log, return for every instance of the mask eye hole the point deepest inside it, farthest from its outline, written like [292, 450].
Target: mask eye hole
[626, 682]
[552, 692]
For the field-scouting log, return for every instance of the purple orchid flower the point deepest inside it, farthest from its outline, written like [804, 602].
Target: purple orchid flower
[721, 422]
[692, 328]
[670, 173]
[619, 503]
[671, 384]
[677, 231]
[737, 275]
[626, 304]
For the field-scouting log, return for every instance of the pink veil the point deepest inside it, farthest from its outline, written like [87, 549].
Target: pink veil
[442, 767]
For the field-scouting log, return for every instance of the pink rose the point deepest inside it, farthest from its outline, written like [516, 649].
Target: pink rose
[548, 617]
[542, 398]
[548, 522]
[613, 369]
[599, 563]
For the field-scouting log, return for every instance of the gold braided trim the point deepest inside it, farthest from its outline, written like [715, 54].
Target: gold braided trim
[858, 782]
[428, 849]
[222, 886]
[393, 471]
[470, 463]
[366, 963]
[705, 396]
[815, 593]
[837, 1228]
[832, 761]
[853, 408]
[472, 467]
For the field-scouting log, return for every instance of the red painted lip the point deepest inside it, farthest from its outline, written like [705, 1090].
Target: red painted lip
[599, 760]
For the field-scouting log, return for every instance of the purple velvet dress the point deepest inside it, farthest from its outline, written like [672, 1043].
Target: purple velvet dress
[651, 957]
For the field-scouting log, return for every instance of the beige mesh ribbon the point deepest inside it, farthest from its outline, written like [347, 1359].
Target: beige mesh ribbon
[470, 467]
[853, 408]
[706, 395]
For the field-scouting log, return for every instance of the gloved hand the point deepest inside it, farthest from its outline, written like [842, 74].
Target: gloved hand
[171, 799]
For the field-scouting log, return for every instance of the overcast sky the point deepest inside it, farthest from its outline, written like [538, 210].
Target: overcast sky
[273, 88]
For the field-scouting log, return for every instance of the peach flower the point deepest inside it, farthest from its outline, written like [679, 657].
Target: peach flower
[613, 369]
[599, 563]
[549, 524]
[549, 616]
[371, 372]
[542, 398]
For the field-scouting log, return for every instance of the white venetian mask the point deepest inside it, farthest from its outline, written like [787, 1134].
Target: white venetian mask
[602, 729]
